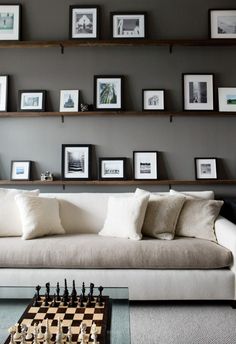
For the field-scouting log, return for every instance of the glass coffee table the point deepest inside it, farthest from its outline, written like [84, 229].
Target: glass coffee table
[14, 300]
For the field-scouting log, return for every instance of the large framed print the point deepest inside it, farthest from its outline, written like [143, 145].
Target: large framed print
[205, 168]
[3, 92]
[222, 23]
[153, 100]
[84, 22]
[108, 92]
[198, 92]
[145, 165]
[10, 22]
[76, 162]
[128, 24]
[112, 168]
[32, 100]
[227, 99]
[21, 169]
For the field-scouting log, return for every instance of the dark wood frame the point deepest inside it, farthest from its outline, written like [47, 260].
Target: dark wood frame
[183, 92]
[64, 146]
[124, 160]
[30, 167]
[209, 21]
[44, 93]
[210, 158]
[20, 20]
[96, 77]
[72, 7]
[134, 153]
[7, 85]
[117, 13]
[153, 89]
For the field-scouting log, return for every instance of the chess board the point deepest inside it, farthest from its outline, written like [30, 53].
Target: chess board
[70, 316]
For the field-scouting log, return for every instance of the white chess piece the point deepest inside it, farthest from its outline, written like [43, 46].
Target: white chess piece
[28, 334]
[47, 335]
[17, 334]
[94, 332]
[69, 335]
[82, 335]
[35, 335]
[24, 329]
[40, 334]
[12, 331]
[60, 335]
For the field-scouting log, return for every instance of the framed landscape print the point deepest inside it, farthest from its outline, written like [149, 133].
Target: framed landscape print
[222, 23]
[153, 100]
[21, 170]
[10, 21]
[205, 168]
[3, 92]
[128, 24]
[32, 100]
[108, 92]
[112, 168]
[227, 99]
[76, 161]
[145, 164]
[198, 93]
[84, 22]
[69, 101]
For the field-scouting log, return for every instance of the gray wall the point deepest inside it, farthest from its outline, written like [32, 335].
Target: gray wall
[40, 139]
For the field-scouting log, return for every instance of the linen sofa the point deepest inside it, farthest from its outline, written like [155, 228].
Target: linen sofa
[179, 269]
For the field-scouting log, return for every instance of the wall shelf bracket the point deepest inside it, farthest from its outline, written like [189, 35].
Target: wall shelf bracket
[63, 187]
[171, 118]
[62, 119]
[171, 48]
[62, 48]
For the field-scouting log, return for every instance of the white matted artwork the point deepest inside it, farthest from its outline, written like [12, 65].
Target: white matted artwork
[223, 24]
[75, 162]
[32, 100]
[227, 99]
[112, 168]
[145, 165]
[83, 22]
[3, 92]
[205, 168]
[153, 100]
[10, 22]
[20, 170]
[69, 100]
[108, 92]
[128, 25]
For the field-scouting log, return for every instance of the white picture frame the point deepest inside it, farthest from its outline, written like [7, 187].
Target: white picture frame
[84, 22]
[69, 100]
[3, 92]
[227, 99]
[153, 100]
[205, 168]
[222, 23]
[21, 169]
[10, 21]
[108, 92]
[112, 168]
[145, 165]
[128, 25]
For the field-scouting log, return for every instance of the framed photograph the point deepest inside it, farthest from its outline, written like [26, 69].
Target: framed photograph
[222, 23]
[3, 92]
[69, 101]
[76, 162]
[128, 24]
[145, 165]
[84, 22]
[205, 168]
[108, 92]
[153, 100]
[112, 168]
[10, 21]
[198, 93]
[227, 99]
[21, 170]
[32, 100]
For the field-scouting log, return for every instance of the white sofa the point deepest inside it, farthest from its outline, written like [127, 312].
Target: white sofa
[84, 256]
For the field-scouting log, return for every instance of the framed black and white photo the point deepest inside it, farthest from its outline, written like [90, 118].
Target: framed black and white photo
[198, 93]
[76, 161]
[69, 101]
[84, 22]
[3, 92]
[21, 169]
[145, 164]
[112, 168]
[205, 168]
[227, 99]
[153, 100]
[32, 100]
[222, 23]
[10, 21]
[108, 92]
[128, 24]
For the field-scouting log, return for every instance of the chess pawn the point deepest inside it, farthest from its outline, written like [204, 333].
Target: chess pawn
[17, 334]
[40, 334]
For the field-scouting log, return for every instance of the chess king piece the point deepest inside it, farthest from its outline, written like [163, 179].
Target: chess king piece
[17, 334]
[83, 292]
[94, 333]
[91, 288]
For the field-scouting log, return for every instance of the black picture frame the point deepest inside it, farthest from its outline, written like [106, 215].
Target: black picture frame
[118, 13]
[89, 7]
[152, 90]
[119, 107]
[210, 31]
[28, 176]
[19, 30]
[123, 160]
[197, 159]
[87, 165]
[32, 109]
[134, 165]
[5, 103]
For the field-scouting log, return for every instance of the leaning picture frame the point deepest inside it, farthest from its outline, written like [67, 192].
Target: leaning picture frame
[145, 165]
[112, 168]
[21, 170]
[129, 25]
[108, 92]
[222, 23]
[153, 100]
[32, 100]
[3, 92]
[227, 99]
[69, 100]
[84, 22]
[205, 168]
[10, 22]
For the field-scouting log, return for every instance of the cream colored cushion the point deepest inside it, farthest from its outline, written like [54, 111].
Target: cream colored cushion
[39, 216]
[10, 221]
[125, 216]
[196, 194]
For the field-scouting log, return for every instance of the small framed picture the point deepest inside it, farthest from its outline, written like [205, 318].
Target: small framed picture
[108, 92]
[206, 168]
[21, 170]
[145, 165]
[153, 100]
[84, 22]
[10, 21]
[198, 93]
[3, 92]
[222, 23]
[32, 100]
[227, 99]
[69, 101]
[128, 24]
[76, 162]
[112, 168]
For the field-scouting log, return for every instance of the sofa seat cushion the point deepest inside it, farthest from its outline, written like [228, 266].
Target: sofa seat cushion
[93, 251]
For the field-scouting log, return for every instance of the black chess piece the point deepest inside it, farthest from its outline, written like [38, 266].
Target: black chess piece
[81, 300]
[65, 300]
[35, 303]
[91, 288]
[73, 301]
[54, 302]
[74, 292]
[47, 286]
[66, 292]
[83, 292]
[89, 302]
[100, 298]
[37, 291]
[46, 300]
[58, 292]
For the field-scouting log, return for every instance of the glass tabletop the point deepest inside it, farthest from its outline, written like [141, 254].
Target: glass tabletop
[14, 300]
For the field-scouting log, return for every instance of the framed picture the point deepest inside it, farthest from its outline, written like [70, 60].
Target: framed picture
[145, 164]
[84, 22]
[3, 92]
[112, 168]
[128, 24]
[206, 168]
[21, 170]
[76, 161]
[227, 99]
[32, 100]
[153, 100]
[10, 21]
[69, 101]
[222, 23]
[108, 92]
[198, 92]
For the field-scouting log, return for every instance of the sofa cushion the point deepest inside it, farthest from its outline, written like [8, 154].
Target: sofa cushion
[93, 251]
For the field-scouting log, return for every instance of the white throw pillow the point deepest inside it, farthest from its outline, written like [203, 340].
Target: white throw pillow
[125, 216]
[195, 194]
[10, 221]
[39, 216]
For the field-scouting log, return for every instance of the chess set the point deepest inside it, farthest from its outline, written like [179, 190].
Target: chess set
[63, 318]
